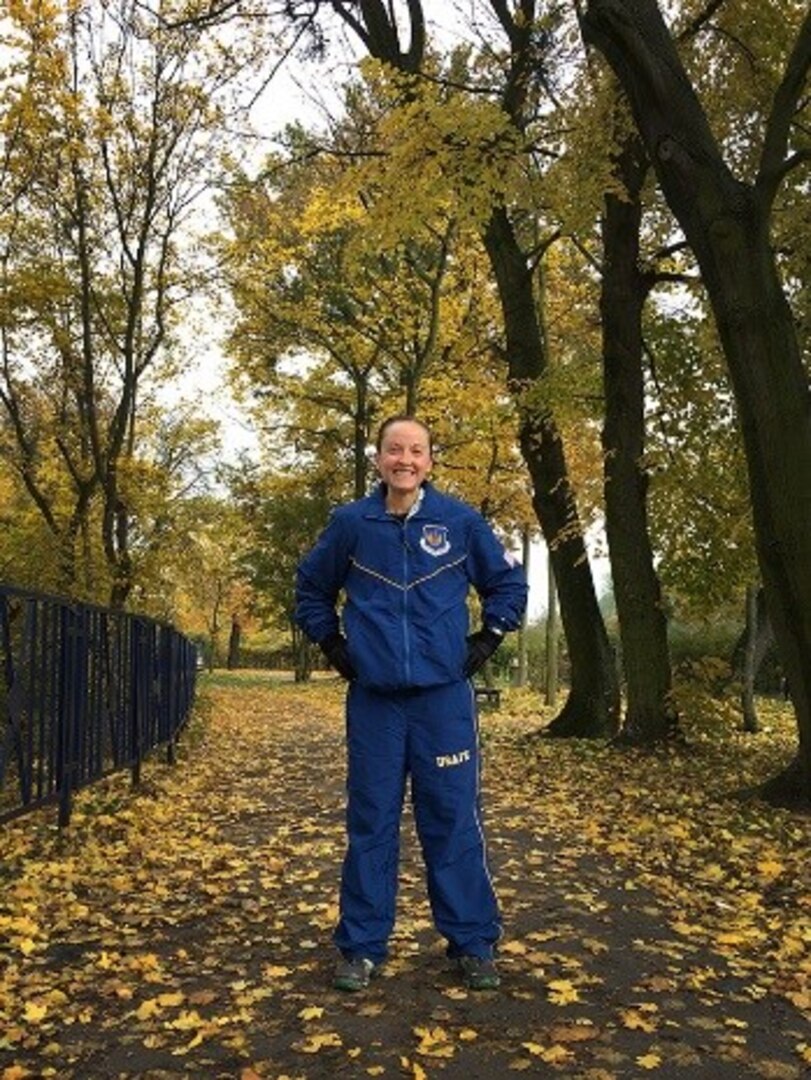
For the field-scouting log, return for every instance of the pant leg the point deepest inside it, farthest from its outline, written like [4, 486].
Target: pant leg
[444, 762]
[376, 750]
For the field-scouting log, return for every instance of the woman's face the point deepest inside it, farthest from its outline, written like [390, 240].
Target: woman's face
[404, 459]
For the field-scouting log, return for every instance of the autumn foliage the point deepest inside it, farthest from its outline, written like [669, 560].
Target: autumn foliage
[656, 919]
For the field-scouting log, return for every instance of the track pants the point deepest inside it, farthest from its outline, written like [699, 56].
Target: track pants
[431, 735]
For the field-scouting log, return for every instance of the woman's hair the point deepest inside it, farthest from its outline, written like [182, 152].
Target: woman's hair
[403, 418]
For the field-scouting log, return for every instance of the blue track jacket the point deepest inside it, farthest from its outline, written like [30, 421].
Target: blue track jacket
[406, 583]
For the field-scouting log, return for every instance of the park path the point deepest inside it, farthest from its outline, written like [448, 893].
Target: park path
[185, 932]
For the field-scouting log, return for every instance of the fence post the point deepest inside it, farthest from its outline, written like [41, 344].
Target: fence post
[65, 719]
[135, 701]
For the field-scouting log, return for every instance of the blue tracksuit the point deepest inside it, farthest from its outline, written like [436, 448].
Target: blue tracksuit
[410, 710]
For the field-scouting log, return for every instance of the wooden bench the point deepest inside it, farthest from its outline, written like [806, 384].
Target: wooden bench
[487, 695]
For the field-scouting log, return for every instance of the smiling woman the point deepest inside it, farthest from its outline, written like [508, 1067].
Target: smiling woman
[405, 558]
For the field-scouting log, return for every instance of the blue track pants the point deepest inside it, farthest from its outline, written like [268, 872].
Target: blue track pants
[431, 735]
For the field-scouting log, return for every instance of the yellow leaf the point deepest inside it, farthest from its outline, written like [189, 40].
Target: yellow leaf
[649, 1061]
[562, 992]
[534, 1048]
[188, 1020]
[34, 1013]
[468, 1035]
[635, 1020]
[318, 1042]
[273, 971]
[147, 1009]
[434, 1042]
[556, 1054]
[312, 1012]
[375, 1070]
[686, 929]
[176, 998]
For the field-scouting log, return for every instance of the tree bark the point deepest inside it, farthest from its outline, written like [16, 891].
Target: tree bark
[522, 673]
[302, 654]
[726, 222]
[750, 717]
[551, 675]
[234, 640]
[650, 715]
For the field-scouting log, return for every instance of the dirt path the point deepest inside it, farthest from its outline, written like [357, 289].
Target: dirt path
[185, 933]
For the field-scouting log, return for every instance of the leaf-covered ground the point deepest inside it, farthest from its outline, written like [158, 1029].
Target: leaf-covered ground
[655, 922]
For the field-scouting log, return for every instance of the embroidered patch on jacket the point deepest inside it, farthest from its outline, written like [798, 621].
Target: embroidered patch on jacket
[435, 540]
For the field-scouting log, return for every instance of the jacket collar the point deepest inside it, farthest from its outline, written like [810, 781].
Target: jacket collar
[377, 501]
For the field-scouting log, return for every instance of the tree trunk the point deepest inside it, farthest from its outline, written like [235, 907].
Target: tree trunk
[302, 654]
[750, 650]
[360, 462]
[650, 715]
[592, 707]
[234, 640]
[551, 679]
[750, 717]
[726, 223]
[522, 674]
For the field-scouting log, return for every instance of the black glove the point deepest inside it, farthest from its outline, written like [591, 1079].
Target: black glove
[335, 650]
[480, 647]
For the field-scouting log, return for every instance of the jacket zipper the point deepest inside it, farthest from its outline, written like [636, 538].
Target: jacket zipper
[406, 641]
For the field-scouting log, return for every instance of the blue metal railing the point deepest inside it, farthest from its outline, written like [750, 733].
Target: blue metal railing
[84, 691]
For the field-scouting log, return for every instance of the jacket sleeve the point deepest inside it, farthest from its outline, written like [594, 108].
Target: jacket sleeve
[497, 577]
[319, 580]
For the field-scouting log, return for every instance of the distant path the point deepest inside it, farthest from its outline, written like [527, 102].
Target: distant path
[197, 941]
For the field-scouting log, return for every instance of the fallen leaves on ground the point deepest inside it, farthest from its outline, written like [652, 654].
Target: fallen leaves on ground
[654, 920]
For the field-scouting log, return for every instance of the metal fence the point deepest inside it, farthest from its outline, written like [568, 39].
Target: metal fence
[84, 692]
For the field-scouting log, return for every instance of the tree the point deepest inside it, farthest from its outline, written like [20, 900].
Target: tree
[326, 318]
[727, 220]
[285, 516]
[109, 129]
[650, 713]
[340, 322]
[511, 241]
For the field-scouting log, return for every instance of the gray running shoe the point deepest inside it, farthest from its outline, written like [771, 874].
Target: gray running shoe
[353, 974]
[479, 972]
